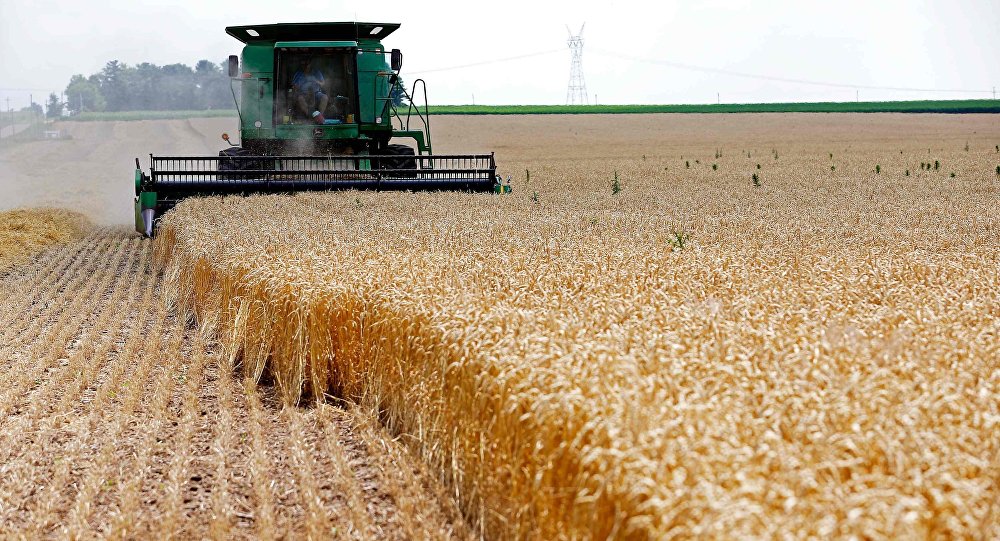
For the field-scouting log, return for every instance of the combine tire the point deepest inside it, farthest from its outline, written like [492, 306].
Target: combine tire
[404, 159]
[227, 163]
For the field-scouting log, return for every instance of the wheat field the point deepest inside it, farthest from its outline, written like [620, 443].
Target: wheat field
[766, 326]
[25, 232]
[683, 352]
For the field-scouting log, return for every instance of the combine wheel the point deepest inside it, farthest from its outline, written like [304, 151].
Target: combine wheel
[227, 162]
[404, 159]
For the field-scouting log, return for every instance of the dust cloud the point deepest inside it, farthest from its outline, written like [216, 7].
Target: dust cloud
[94, 172]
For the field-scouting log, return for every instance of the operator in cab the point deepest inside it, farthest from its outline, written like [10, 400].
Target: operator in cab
[309, 92]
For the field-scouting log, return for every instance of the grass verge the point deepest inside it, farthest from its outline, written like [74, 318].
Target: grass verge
[151, 115]
[924, 106]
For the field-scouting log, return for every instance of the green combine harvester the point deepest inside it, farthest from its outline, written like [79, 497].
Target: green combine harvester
[319, 107]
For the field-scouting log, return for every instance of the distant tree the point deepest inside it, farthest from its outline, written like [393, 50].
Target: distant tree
[206, 67]
[84, 94]
[397, 93]
[114, 86]
[177, 87]
[36, 109]
[212, 86]
[145, 86]
[54, 107]
[227, 92]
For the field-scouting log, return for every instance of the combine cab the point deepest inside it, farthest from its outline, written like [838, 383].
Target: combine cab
[319, 106]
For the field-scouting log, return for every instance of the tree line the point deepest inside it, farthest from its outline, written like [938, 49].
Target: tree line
[146, 87]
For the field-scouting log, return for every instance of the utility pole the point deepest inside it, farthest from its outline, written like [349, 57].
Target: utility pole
[718, 98]
[576, 90]
[857, 95]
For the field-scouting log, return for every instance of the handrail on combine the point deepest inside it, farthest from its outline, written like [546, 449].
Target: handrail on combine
[412, 109]
[425, 118]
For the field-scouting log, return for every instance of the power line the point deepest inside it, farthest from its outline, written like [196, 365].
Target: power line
[773, 78]
[486, 62]
[25, 89]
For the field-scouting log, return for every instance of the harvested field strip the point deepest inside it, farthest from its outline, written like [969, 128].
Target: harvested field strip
[281, 496]
[577, 371]
[359, 521]
[71, 277]
[111, 412]
[260, 471]
[30, 292]
[32, 431]
[125, 516]
[116, 399]
[179, 466]
[83, 396]
[70, 413]
[225, 504]
[50, 274]
[416, 519]
[140, 430]
[66, 330]
[317, 524]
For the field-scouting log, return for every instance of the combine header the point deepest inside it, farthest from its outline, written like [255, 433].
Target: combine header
[318, 107]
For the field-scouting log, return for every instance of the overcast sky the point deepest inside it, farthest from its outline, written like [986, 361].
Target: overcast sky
[634, 52]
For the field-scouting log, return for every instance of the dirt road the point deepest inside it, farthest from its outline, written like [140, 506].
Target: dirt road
[8, 131]
[93, 172]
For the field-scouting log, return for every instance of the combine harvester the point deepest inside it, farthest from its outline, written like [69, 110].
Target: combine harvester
[317, 112]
